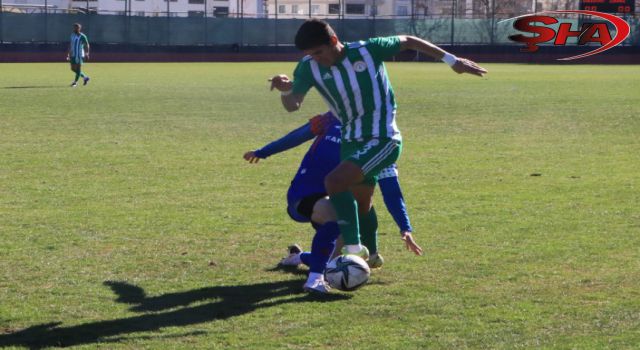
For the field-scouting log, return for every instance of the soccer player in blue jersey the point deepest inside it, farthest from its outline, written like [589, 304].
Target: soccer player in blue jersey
[78, 52]
[307, 201]
[353, 81]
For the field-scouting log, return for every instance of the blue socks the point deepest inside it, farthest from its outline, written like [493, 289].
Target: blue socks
[322, 246]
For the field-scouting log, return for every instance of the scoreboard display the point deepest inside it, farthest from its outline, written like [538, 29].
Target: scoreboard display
[609, 6]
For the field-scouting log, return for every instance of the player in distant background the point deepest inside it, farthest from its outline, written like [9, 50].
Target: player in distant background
[308, 202]
[78, 52]
[353, 81]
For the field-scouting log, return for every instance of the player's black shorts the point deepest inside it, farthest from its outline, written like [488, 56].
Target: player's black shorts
[301, 210]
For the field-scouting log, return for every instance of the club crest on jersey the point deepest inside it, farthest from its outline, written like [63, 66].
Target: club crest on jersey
[327, 76]
[360, 66]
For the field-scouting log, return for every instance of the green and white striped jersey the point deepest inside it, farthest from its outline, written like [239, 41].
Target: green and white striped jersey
[77, 44]
[356, 88]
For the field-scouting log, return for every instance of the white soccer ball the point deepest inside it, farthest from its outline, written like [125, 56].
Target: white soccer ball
[347, 272]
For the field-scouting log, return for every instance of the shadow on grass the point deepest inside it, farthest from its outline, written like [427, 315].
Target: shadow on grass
[289, 270]
[167, 310]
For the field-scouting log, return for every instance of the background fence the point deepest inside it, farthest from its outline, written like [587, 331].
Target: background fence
[125, 29]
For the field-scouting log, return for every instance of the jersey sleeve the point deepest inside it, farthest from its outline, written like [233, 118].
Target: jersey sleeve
[394, 201]
[291, 140]
[302, 78]
[383, 48]
[84, 39]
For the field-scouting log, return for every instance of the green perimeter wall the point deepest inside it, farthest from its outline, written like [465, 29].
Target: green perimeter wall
[20, 28]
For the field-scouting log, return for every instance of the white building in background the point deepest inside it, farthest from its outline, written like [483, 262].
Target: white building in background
[157, 8]
[247, 8]
[370, 8]
[34, 6]
[338, 8]
[292, 8]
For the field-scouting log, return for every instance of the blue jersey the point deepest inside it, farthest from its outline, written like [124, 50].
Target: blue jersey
[321, 158]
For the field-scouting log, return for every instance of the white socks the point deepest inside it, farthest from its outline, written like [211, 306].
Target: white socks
[314, 276]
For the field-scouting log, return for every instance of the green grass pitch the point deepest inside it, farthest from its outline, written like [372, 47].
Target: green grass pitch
[128, 218]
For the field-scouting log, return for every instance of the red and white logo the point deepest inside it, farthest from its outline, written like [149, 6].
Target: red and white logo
[589, 33]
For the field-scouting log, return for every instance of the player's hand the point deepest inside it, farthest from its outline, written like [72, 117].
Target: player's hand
[68, 58]
[251, 157]
[281, 83]
[464, 65]
[407, 237]
[319, 124]
[86, 56]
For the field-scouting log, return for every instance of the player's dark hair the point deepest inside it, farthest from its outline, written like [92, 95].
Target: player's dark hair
[77, 25]
[313, 33]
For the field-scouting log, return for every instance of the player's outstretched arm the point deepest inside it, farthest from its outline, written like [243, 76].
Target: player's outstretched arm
[394, 201]
[290, 101]
[290, 140]
[458, 64]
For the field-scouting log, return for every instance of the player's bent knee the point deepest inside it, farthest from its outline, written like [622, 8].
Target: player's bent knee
[334, 183]
[323, 212]
[343, 177]
[330, 183]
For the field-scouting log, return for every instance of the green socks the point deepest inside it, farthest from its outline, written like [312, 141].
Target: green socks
[352, 226]
[346, 209]
[369, 230]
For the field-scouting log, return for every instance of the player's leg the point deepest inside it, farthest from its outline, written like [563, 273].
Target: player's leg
[75, 68]
[338, 184]
[362, 162]
[369, 231]
[85, 78]
[391, 150]
[319, 210]
[322, 246]
[368, 221]
[323, 211]
[323, 220]
[294, 205]
[363, 194]
[78, 71]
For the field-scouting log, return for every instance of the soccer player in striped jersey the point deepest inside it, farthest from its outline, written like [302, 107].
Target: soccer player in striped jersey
[78, 52]
[307, 201]
[353, 81]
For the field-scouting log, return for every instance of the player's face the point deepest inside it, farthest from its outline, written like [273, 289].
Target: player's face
[76, 29]
[325, 55]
